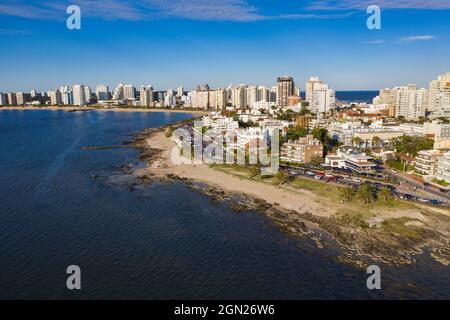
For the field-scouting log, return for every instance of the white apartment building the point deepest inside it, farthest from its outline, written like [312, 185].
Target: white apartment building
[433, 129]
[350, 159]
[252, 95]
[129, 92]
[146, 96]
[102, 92]
[208, 99]
[87, 94]
[426, 161]
[321, 98]
[410, 102]
[119, 93]
[239, 97]
[3, 99]
[443, 167]
[439, 98]
[66, 95]
[12, 100]
[79, 98]
[55, 97]
[170, 99]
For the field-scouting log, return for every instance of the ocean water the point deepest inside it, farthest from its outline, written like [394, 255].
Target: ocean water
[162, 241]
[356, 96]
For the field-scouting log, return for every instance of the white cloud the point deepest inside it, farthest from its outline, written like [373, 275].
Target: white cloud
[206, 10]
[384, 4]
[376, 42]
[416, 38]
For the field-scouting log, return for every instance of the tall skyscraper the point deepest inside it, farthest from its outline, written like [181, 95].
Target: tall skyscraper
[119, 93]
[66, 95]
[320, 97]
[129, 92]
[285, 89]
[239, 97]
[410, 102]
[252, 95]
[263, 94]
[146, 96]
[33, 93]
[55, 97]
[180, 91]
[87, 94]
[3, 99]
[79, 98]
[102, 92]
[439, 96]
[12, 99]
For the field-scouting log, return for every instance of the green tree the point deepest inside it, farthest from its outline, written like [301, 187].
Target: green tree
[385, 194]
[365, 193]
[348, 194]
[357, 141]
[254, 171]
[376, 141]
[281, 178]
[296, 132]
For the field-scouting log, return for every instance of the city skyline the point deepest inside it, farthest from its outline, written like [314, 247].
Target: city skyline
[249, 42]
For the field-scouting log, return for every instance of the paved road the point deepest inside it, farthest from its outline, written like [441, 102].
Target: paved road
[403, 177]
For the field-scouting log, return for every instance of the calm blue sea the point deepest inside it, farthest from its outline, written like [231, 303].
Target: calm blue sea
[356, 96]
[163, 241]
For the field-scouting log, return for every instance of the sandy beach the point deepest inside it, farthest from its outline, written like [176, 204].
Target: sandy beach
[392, 233]
[295, 200]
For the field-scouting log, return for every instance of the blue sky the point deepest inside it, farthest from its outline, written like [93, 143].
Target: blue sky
[167, 43]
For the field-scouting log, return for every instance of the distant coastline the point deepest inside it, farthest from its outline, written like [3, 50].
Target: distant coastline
[75, 108]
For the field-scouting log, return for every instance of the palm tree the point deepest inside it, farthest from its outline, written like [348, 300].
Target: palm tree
[281, 178]
[254, 171]
[365, 194]
[348, 194]
[357, 141]
[376, 141]
[385, 194]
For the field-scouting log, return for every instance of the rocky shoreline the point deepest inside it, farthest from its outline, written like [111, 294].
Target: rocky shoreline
[360, 246]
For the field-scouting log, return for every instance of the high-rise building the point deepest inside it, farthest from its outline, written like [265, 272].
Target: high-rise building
[102, 92]
[3, 99]
[79, 98]
[410, 102]
[439, 96]
[129, 92]
[310, 85]
[146, 96]
[218, 99]
[22, 98]
[170, 98]
[12, 100]
[180, 91]
[252, 95]
[119, 93]
[320, 97]
[263, 94]
[87, 94]
[55, 97]
[387, 96]
[66, 95]
[239, 96]
[33, 93]
[199, 98]
[285, 89]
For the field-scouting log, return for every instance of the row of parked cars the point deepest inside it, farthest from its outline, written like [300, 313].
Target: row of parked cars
[350, 181]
